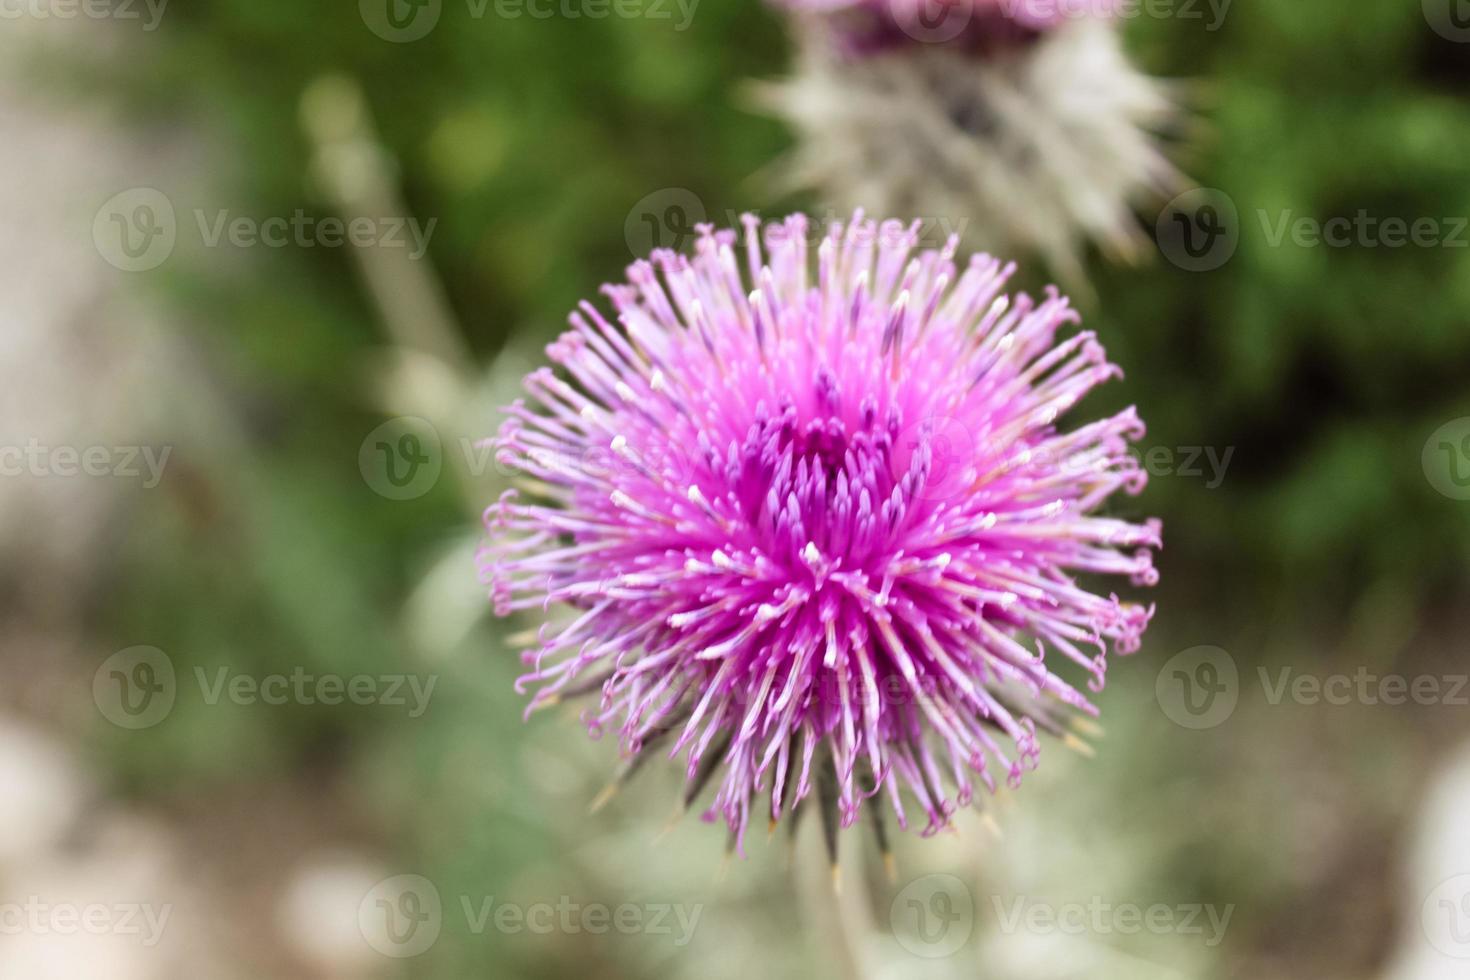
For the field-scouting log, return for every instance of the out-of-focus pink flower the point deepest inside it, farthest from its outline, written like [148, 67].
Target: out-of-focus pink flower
[865, 26]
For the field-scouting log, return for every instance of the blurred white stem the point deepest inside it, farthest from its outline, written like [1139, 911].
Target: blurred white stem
[840, 920]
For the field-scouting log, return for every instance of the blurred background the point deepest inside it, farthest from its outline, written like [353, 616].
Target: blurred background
[268, 269]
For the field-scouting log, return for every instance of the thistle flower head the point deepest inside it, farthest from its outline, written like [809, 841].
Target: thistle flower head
[815, 523]
[1041, 147]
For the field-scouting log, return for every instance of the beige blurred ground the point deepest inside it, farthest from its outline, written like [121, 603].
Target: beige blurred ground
[85, 360]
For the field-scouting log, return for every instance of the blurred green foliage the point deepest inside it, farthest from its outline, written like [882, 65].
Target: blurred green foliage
[529, 140]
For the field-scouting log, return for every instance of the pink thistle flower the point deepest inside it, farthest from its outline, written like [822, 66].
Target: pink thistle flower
[821, 531]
